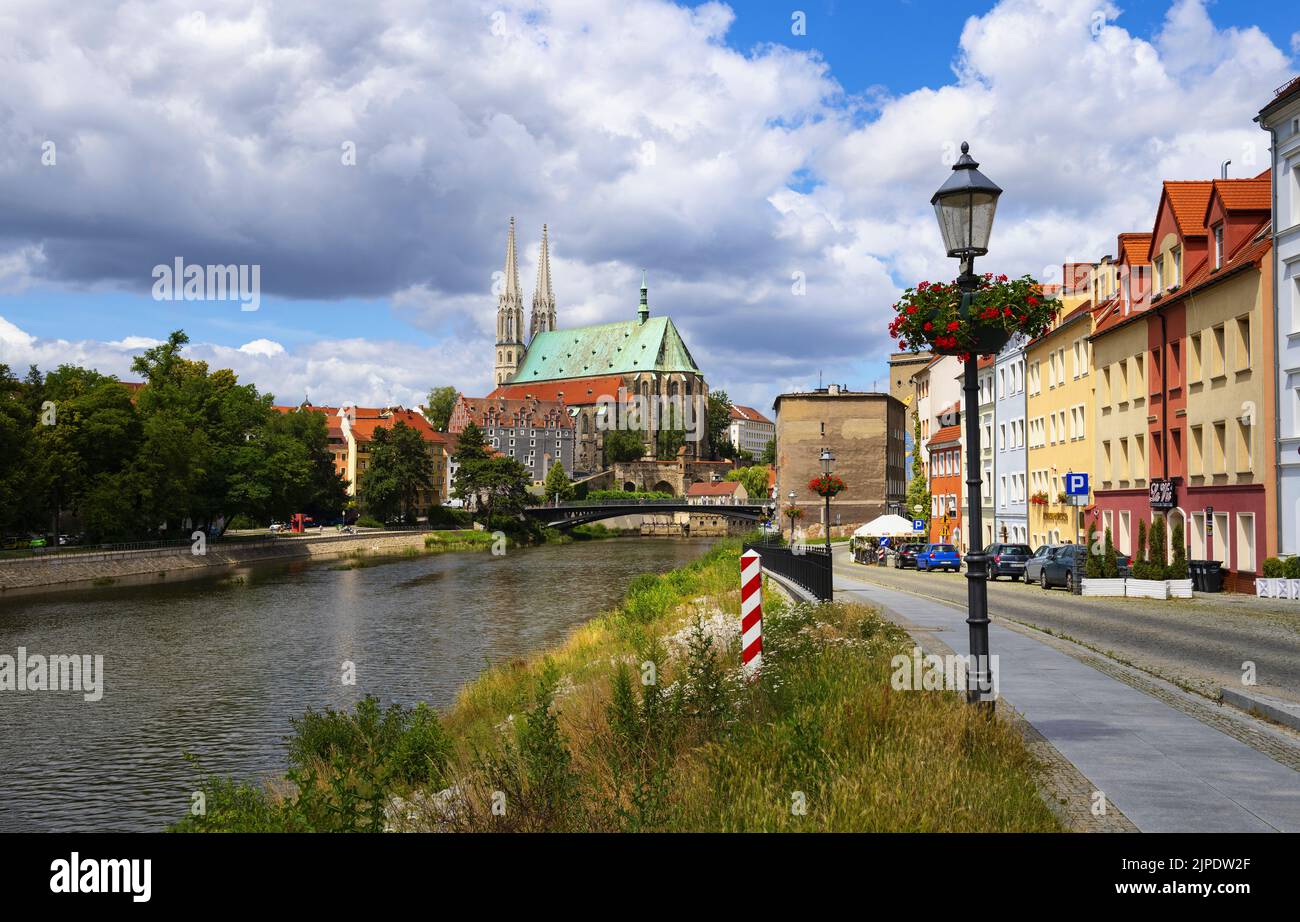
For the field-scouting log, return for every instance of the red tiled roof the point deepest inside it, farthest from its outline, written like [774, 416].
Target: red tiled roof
[1188, 198]
[1134, 248]
[574, 391]
[1243, 194]
[944, 436]
[725, 488]
[748, 413]
[1252, 252]
[511, 411]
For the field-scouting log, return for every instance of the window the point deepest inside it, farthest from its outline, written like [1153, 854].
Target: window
[1121, 383]
[1243, 344]
[1139, 458]
[1158, 275]
[1196, 463]
[1139, 377]
[1124, 464]
[1105, 388]
[1125, 533]
[1197, 538]
[1218, 360]
[1244, 460]
[1245, 542]
[1219, 448]
[1194, 370]
[1107, 467]
[1176, 267]
[1218, 246]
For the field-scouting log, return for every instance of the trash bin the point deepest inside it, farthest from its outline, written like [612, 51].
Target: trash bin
[1207, 575]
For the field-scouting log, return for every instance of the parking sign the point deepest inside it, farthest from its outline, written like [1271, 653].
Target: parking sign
[918, 524]
[1076, 484]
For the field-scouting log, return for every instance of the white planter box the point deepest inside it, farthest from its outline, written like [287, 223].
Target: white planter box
[1270, 588]
[1103, 587]
[1179, 588]
[1292, 588]
[1146, 589]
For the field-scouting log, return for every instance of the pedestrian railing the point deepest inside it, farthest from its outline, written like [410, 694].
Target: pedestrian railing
[807, 567]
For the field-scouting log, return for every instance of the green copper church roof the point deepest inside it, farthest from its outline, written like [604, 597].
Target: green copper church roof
[622, 347]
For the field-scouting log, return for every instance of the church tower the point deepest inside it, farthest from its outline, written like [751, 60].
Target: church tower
[543, 298]
[510, 317]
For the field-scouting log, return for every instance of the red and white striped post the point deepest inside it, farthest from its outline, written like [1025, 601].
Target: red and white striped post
[751, 613]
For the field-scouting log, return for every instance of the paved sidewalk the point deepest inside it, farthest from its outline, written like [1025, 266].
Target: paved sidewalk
[1166, 770]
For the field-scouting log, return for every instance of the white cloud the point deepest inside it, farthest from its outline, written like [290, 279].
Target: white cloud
[263, 347]
[630, 127]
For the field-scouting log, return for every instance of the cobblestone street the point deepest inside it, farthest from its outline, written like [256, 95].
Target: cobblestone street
[1200, 643]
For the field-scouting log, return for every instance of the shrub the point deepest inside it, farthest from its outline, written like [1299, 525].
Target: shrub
[1274, 568]
[1291, 567]
[1093, 565]
[240, 522]
[449, 517]
[367, 521]
[1178, 569]
[1110, 562]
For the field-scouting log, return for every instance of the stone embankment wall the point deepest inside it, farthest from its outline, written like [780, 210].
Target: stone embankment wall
[79, 569]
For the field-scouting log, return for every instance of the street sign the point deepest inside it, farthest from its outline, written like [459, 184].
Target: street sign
[918, 524]
[1076, 484]
[1209, 521]
[884, 542]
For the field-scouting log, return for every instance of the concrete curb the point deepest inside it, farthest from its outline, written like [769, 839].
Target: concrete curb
[792, 588]
[1277, 710]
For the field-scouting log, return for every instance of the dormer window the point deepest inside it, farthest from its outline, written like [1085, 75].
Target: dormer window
[1218, 246]
[1176, 270]
[1158, 274]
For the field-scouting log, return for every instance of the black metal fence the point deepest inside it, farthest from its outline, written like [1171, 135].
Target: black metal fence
[811, 568]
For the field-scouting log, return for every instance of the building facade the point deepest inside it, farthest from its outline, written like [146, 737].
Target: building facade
[750, 430]
[1010, 464]
[536, 433]
[988, 465]
[865, 431]
[1281, 119]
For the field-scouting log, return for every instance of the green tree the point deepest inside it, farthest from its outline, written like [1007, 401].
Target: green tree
[502, 485]
[769, 453]
[1109, 560]
[1178, 569]
[918, 488]
[623, 445]
[719, 421]
[754, 480]
[557, 484]
[471, 444]
[16, 451]
[400, 467]
[442, 400]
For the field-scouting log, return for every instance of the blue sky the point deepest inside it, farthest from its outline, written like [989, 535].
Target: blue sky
[706, 143]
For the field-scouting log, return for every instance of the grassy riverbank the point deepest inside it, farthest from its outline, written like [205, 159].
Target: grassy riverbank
[640, 721]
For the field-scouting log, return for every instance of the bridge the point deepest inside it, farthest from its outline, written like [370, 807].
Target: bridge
[566, 515]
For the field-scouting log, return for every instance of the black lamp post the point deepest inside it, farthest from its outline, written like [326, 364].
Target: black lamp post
[828, 468]
[792, 515]
[964, 206]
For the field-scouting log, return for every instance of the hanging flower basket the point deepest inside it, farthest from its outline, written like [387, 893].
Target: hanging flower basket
[931, 316]
[826, 486]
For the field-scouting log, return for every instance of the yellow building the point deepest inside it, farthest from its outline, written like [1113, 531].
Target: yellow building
[1059, 401]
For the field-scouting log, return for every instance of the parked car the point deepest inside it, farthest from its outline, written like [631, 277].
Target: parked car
[1034, 565]
[938, 557]
[1056, 567]
[905, 556]
[1007, 559]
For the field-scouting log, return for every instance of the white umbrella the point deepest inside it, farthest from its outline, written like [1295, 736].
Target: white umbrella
[885, 526]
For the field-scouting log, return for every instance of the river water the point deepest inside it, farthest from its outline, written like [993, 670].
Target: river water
[216, 667]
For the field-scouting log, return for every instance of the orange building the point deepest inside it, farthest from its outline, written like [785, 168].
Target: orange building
[944, 449]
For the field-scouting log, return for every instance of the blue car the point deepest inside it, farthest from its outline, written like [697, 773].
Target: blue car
[938, 557]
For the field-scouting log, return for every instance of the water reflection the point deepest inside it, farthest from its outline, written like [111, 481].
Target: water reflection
[217, 667]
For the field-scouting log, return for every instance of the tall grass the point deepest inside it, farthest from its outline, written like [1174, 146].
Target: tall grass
[641, 721]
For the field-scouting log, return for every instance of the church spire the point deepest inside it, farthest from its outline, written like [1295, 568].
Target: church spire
[510, 346]
[543, 320]
[643, 312]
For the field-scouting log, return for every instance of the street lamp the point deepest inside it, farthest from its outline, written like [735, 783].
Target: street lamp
[964, 206]
[828, 468]
[792, 515]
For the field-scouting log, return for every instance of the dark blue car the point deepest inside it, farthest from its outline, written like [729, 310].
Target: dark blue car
[938, 557]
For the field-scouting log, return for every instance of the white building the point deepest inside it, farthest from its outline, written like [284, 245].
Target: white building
[1281, 118]
[750, 430]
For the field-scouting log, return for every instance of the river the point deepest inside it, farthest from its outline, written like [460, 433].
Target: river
[217, 667]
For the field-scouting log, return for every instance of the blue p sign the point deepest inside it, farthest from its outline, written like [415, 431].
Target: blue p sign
[1076, 484]
[918, 524]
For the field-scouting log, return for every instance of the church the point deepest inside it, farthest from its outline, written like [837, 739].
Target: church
[589, 369]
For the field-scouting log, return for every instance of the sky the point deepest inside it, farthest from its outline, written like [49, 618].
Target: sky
[769, 165]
